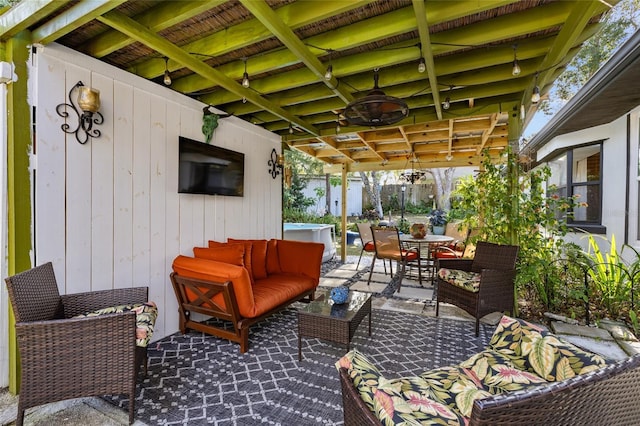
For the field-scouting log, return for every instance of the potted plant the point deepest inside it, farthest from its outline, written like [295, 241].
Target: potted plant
[438, 220]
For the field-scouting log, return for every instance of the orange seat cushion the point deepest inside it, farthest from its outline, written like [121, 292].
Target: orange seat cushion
[277, 289]
[369, 246]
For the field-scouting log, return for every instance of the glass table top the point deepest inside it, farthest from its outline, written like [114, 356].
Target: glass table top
[325, 307]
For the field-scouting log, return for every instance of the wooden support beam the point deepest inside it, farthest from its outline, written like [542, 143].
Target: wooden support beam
[26, 13]
[427, 53]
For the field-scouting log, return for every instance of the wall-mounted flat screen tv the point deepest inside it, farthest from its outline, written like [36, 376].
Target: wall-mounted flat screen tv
[209, 169]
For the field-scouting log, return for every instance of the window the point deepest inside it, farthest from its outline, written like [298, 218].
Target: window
[577, 173]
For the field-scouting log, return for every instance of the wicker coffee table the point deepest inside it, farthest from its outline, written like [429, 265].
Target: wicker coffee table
[326, 320]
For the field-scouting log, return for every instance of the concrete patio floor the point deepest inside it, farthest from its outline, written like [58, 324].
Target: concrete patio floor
[612, 340]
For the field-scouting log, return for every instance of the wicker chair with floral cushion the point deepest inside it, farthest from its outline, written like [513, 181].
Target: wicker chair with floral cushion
[77, 345]
[481, 285]
[387, 243]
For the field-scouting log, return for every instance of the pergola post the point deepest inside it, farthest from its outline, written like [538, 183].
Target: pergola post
[343, 237]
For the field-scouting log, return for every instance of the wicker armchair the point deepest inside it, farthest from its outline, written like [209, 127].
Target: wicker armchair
[63, 357]
[494, 268]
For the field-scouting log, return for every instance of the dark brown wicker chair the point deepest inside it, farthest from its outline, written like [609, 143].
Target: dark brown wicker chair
[608, 396]
[63, 357]
[496, 263]
[387, 244]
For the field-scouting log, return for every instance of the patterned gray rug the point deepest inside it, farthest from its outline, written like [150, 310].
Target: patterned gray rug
[198, 379]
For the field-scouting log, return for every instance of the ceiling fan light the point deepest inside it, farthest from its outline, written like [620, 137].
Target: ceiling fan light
[376, 109]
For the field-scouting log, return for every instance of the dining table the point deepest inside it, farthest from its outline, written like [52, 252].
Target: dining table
[426, 247]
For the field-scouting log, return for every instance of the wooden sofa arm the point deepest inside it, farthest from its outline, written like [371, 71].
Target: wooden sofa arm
[81, 303]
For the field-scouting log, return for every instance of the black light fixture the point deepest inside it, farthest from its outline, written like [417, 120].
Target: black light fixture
[376, 108]
[275, 163]
[88, 101]
[414, 175]
[167, 76]
[515, 71]
[535, 95]
[245, 77]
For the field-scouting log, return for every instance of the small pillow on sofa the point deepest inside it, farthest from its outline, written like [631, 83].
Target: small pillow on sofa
[146, 314]
[247, 254]
[230, 253]
[534, 349]
[258, 256]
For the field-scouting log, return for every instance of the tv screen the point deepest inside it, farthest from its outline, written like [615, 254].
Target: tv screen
[209, 169]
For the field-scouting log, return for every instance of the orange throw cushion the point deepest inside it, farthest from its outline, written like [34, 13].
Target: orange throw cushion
[258, 256]
[273, 261]
[230, 253]
[247, 254]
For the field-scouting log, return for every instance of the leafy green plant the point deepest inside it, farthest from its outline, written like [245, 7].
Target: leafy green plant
[508, 205]
[437, 217]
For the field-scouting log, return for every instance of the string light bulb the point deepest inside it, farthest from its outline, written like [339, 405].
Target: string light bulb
[422, 65]
[167, 76]
[447, 103]
[290, 128]
[245, 77]
[535, 95]
[338, 127]
[329, 73]
[515, 71]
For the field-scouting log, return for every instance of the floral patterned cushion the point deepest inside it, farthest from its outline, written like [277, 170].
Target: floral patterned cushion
[456, 387]
[466, 280]
[406, 400]
[533, 349]
[146, 314]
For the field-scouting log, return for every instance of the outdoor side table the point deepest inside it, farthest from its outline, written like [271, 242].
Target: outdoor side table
[324, 319]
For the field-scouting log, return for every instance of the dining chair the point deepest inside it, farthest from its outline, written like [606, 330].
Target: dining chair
[388, 246]
[366, 238]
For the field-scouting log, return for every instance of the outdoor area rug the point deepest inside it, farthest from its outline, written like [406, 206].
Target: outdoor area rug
[197, 379]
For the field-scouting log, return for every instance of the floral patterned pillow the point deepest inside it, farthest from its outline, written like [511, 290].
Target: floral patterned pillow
[146, 314]
[531, 348]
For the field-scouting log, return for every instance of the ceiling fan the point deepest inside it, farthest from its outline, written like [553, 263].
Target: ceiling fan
[376, 108]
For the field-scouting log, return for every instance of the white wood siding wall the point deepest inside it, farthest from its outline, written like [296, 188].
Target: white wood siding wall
[107, 213]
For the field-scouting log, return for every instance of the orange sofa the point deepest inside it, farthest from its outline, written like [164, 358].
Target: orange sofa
[243, 281]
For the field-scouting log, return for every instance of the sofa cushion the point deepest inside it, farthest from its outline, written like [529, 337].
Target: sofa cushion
[396, 401]
[276, 289]
[247, 254]
[258, 256]
[455, 387]
[467, 280]
[498, 374]
[535, 350]
[231, 253]
[273, 261]
[146, 315]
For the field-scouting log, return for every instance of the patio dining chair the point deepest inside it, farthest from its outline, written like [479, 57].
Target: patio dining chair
[481, 285]
[388, 246]
[68, 349]
[366, 238]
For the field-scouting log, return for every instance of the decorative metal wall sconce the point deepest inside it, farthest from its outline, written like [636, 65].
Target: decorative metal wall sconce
[276, 163]
[88, 103]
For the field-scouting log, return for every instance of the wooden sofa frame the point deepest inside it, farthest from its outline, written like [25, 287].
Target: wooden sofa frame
[607, 396]
[203, 304]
